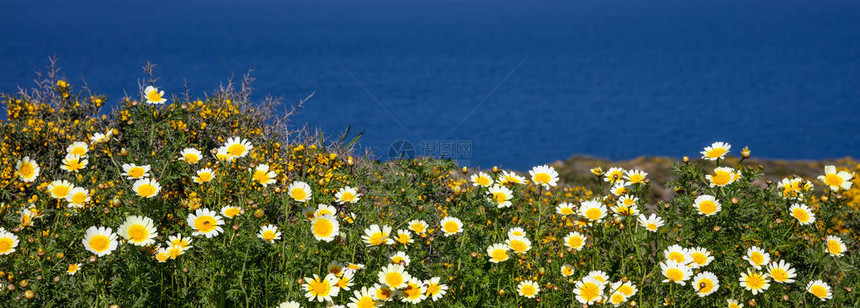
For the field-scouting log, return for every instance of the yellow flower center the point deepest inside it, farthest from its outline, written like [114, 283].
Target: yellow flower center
[403, 238]
[191, 158]
[589, 291]
[230, 212]
[674, 274]
[26, 170]
[518, 246]
[833, 247]
[298, 194]
[136, 172]
[483, 181]
[593, 213]
[755, 281]
[433, 289]
[574, 242]
[636, 178]
[800, 214]
[269, 235]
[778, 274]
[319, 287]
[833, 179]
[528, 290]
[542, 178]
[393, 279]
[236, 150]
[818, 290]
[323, 228]
[705, 285]
[757, 258]
[6, 244]
[651, 226]
[60, 191]
[626, 290]
[365, 302]
[347, 197]
[721, 177]
[708, 207]
[412, 291]
[99, 243]
[699, 258]
[261, 176]
[451, 227]
[677, 257]
[567, 271]
[500, 255]
[617, 298]
[418, 228]
[80, 151]
[715, 153]
[205, 224]
[73, 268]
[137, 233]
[146, 190]
[566, 211]
[153, 96]
[204, 177]
[79, 198]
[376, 238]
[500, 197]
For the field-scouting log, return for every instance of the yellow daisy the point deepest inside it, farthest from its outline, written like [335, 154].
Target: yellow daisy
[321, 289]
[451, 225]
[363, 299]
[519, 244]
[836, 180]
[754, 281]
[28, 169]
[481, 179]
[501, 196]
[78, 197]
[376, 236]
[574, 240]
[299, 191]
[73, 268]
[565, 209]
[757, 257]
[8, 242]
[592, 210]
[78, 148]
[205, 222]
[651, 223]
[707, 205]
[418, 226]
[100, 240]
[138, 230]
[528, 289]
[60, 189]
[269, 233]
[262, 175]
[153, 96]
[204, 175]
[498, 253]
[394, 276]
[819, 289]
[190, 156]
[544, 175]
[717, 150]
[74, 163]
[325, 227]
[414, 292]
[705, 283]
[133, 172]
[146, 188]
[230, 211]
[802, 213]
[723, 176]
[588, 290]
[675, 272]
[435, 290]
[835, 246]
[347, 195]
[781, 272]
[237, 148]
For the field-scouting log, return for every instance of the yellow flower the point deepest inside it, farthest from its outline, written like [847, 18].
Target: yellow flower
[528, 289]
[28, 169]
[717, 150]
[836, 180]
[325, 227]
[8, 242]
[498, 253]
[451, 225]
[146, 188]
[100, 240]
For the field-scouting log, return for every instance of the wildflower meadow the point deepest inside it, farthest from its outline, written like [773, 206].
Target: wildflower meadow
[170, 201]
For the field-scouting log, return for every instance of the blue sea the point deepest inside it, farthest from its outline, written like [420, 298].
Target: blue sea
[507, 83]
